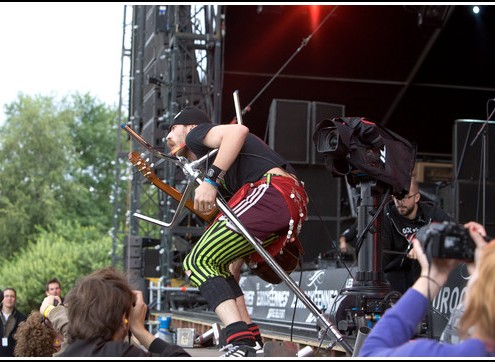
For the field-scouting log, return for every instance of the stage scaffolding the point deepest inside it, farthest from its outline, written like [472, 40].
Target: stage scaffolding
[171, 58]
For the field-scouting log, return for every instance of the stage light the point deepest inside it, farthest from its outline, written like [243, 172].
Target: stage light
[476, 9]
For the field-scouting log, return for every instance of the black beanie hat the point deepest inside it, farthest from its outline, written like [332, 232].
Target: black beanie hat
[190, 115]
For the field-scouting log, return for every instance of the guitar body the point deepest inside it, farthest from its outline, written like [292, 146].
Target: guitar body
[287, 258]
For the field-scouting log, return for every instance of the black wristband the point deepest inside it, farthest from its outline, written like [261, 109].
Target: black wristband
[215, 174]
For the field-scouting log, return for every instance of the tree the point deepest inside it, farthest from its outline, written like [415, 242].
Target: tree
[68, 253]
[56, 163]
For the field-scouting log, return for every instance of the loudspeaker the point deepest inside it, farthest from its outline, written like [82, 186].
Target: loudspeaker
[292, 124]
[289, 129]
[322, 188]
[133, 253]
[468, 196]
[328, 206]
[317, 236]
[151, 258]
[468, 159]
[321, 111]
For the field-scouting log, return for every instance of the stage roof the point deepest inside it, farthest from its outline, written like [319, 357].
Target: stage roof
[414, 69]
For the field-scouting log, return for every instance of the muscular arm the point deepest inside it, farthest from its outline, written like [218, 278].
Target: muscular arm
[229, 140]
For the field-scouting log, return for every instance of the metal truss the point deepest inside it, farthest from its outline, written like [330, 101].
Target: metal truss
[175, 61]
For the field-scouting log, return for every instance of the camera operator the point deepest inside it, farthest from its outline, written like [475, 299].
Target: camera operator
[402, 219]
[391, 335]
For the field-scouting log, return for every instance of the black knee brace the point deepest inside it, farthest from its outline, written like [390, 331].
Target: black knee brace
[236, 289]
[216, 290]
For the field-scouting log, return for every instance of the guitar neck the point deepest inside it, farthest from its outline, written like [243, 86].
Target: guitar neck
[146, 170]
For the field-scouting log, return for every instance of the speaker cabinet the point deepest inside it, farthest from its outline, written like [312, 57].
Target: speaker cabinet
[151, 263]
[317, 237]
[133, 253]
[468, 196]
[328, 207]
[468, 159]
[322, 188]
[289, 129]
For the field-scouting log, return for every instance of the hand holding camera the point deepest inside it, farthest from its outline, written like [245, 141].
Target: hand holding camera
[50, 301]
[440, 247]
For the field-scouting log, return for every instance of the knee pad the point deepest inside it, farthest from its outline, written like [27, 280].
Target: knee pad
[216, 290]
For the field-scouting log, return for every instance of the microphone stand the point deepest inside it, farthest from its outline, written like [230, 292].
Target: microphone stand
[192, 173]
[484, 166]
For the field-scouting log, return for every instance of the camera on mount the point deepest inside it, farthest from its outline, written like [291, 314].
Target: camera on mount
[356, 146]
[446, 240]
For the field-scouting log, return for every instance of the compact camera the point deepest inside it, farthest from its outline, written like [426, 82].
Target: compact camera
[446, 240]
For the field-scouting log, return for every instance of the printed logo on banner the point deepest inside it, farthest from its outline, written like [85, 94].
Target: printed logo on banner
[277, 302]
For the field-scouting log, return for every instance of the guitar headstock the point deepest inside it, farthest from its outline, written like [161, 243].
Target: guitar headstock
[140, 163]
[146, 170]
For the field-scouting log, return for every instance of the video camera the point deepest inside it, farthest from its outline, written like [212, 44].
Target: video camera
[357, 145]
[446, 240]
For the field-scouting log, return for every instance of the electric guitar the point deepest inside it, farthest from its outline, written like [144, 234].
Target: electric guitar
[146, 170]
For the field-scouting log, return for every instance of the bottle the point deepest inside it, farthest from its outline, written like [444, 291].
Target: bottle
[164, 329]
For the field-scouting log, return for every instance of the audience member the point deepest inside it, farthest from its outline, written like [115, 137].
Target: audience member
[9, 321]
[103, 311]
[54, 287]
[392, 334]
[36, 337]
[54, 310]
[402, 219]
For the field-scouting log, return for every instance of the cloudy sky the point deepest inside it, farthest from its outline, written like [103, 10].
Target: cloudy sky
[58, 48]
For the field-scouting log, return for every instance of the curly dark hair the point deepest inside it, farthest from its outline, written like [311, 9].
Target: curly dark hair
[35, 337]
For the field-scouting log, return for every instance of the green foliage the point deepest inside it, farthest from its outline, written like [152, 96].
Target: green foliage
[68, 253]
[57, 171]
[56, 163]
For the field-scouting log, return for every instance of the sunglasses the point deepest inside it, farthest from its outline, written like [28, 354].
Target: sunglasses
[407, 197]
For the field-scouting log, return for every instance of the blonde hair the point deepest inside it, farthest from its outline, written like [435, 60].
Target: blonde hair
[480, 299]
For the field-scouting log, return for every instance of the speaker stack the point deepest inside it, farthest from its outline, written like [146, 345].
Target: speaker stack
[291, 127]
[474, 156]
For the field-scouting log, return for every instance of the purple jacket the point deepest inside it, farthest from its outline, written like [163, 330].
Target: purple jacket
[391, 336]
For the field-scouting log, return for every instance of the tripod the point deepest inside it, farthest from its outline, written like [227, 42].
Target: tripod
[369, 294]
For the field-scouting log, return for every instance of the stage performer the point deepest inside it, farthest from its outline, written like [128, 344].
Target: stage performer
[263, 192]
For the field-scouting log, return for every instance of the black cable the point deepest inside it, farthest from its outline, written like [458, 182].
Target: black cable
[327, 233]
[429, 314]
[296, 300]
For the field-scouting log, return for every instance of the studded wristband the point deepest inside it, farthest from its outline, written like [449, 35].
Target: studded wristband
[215, 174]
